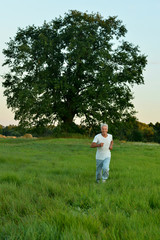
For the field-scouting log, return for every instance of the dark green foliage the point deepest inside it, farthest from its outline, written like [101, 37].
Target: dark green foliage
[129, 130]
[1, 129]
[156, 128]
[68, 129]
[133, 130]
[11, 130]
[79, 65]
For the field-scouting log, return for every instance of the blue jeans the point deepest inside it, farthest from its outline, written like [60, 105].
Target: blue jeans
[102, 165]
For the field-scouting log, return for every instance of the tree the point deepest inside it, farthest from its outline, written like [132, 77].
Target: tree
[79, 65]
[156, 128]
[146, 130]
[11, 130]
[1, 129]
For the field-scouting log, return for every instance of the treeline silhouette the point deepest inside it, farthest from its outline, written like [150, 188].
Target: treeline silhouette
[129, 130]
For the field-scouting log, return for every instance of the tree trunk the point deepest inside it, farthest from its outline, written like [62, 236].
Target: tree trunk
[68, 125]
[68, 119]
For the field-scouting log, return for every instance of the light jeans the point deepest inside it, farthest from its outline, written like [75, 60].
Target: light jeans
[102, 165]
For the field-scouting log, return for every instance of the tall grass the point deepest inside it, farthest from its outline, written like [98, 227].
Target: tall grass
[48, 191]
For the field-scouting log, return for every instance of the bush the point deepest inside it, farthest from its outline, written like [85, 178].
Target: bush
[67, 130]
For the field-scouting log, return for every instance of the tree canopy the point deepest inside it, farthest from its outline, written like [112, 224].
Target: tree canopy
[78, 65]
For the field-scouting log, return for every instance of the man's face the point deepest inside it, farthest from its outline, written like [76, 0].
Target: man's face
[104, 130]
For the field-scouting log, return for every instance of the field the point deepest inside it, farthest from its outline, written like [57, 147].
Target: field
[48, 191]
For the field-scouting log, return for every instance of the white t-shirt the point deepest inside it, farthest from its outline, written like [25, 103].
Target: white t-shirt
[103, 152]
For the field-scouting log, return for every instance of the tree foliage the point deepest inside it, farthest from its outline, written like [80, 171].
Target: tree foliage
[78, 65]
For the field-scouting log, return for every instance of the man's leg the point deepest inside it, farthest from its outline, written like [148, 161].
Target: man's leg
[99, 164]
[105, 168]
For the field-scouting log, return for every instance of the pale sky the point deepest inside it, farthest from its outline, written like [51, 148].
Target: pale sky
[140, 17]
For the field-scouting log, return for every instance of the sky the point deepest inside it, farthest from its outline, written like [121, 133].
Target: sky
[140, 17]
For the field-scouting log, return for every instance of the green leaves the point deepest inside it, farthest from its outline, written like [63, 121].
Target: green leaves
[70, 67]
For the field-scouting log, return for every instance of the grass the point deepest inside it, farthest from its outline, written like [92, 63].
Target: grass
[48, 191]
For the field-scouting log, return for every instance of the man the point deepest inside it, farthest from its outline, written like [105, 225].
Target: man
[104, 143]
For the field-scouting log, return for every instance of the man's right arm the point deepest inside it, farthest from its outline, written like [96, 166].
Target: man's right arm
[94, 145]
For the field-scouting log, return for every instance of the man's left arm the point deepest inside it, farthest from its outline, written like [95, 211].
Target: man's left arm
[111, 145]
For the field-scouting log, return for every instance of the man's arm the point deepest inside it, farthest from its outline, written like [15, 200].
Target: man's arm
[111, 145]
[94, 145]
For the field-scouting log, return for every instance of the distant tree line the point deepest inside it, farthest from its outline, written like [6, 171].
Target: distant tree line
[128, 130]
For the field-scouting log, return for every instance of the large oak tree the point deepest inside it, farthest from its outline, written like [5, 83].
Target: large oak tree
[78, 65]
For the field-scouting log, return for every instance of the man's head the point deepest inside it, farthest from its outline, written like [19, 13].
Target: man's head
[104, 128]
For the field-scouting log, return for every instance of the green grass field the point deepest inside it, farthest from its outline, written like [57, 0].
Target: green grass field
[48, 191]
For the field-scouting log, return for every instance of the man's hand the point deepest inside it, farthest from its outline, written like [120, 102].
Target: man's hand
[101, 144]
[94, 145]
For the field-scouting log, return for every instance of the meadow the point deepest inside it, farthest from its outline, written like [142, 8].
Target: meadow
[48, 191]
